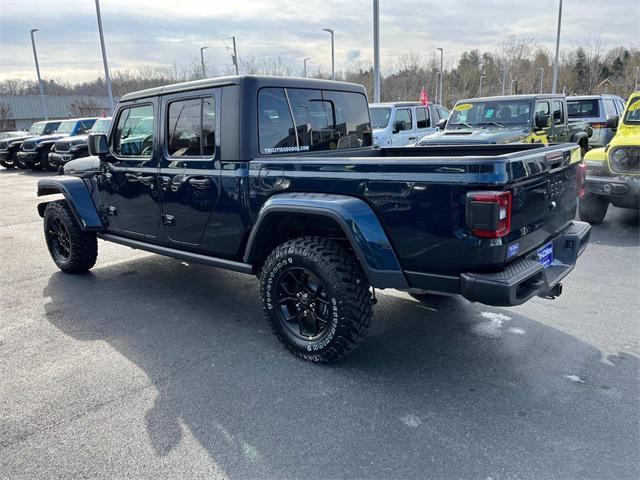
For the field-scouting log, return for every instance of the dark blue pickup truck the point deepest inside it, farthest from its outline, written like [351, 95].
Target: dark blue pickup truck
[277, 177]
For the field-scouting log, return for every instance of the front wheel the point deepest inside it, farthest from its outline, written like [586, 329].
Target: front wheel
[593, 208]
[72, 249]
[316, 298]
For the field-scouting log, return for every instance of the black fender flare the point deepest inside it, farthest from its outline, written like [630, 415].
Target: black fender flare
[354, 216]
[78, 197]
[579, 136]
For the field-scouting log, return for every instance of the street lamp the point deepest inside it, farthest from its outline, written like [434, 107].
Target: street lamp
[504, 78]
[376, 51]
[107, 77]
[35, 57]
[441, 73]
[305, 66]
[482, 78]
[204, 70]
[333, 63]
[541, 79]
[555, 65]
[635, 89]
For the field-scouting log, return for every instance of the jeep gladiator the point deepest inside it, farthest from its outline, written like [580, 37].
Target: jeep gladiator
[277, 177]
[509, 119]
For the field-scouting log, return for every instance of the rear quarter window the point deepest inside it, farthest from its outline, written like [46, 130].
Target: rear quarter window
[298, 120]
[583, 108]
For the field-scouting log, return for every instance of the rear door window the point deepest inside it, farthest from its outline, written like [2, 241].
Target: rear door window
[422, 118]
[609, 107]
[275, 125]
[558, 112]
[191, 128]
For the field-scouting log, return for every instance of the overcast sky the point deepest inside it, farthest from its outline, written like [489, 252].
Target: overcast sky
[155, 32]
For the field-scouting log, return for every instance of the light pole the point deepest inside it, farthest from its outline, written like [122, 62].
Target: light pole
[482, 78]
[107, 77]
[376, 51]
[333, 62]
[35, 57]
[555, 65]
[204, 70]
[635, 88]
[541, 79]
[504, 78]
[305, 66]
[441, 74]
[234, 55]
[437, 87]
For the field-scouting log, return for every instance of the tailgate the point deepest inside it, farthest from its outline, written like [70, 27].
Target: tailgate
[545, 197]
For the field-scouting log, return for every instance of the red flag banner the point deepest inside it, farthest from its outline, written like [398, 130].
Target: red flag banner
[423, 97]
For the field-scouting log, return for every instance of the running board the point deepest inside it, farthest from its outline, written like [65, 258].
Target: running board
[179, 254]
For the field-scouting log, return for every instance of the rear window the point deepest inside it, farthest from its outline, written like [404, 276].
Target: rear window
[298, 120]
[583, 108]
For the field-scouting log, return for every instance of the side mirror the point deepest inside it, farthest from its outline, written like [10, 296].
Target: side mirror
[612, 121]
[542, 121]
[98, 144]
[442, 123]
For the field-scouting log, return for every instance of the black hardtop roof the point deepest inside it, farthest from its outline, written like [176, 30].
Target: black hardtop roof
[498, 98]
[254, 81]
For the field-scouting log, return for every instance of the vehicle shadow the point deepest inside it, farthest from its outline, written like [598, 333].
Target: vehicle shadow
[444, 390]
[621, 228]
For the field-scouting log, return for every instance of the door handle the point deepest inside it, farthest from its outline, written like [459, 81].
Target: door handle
[412, 138]
[200, 182]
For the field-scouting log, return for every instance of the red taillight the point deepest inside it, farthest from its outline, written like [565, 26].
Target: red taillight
[581, 177]
[598, 124]
[489, 213]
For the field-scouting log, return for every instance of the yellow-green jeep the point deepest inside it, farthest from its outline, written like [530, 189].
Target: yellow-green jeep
[613, 172]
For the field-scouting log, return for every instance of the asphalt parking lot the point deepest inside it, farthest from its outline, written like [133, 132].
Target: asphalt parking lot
[148, 367]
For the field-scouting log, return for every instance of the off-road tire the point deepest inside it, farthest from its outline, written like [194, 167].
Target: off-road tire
[6, 165]
[82, 245]
[348, 296]
[593, 208]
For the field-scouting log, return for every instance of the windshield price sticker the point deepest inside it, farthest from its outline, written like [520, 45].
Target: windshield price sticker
[463, 107]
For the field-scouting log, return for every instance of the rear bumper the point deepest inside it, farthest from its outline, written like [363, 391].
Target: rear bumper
[521, 280]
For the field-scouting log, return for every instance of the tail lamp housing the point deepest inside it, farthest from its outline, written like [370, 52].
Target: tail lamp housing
[488, 213]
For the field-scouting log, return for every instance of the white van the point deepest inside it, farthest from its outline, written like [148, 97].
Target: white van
[404, 123]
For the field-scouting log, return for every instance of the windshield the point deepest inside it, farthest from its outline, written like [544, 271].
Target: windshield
[380, 117]
[633, 111]
[36, 129]
[101, 126]
[66, 127]
[583, 108]
[496, 113]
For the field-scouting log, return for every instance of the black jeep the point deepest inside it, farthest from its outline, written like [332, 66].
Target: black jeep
[9, 147]
[276, 177]
[70, 148]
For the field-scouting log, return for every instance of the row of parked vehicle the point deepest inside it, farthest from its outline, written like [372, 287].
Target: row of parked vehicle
[49, 144]
[586, 120]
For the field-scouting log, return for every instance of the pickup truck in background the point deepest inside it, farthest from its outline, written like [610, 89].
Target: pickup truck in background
[613, 172]
[516, 118]
[9, 147]
[277, 177]
[404, 123]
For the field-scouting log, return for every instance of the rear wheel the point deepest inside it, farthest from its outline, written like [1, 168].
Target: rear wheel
[593, 208]
[72, 249]
[316, 298]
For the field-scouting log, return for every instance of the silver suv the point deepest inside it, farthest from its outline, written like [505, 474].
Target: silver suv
[595, 109]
